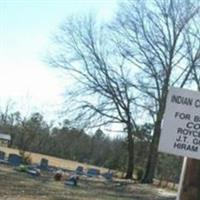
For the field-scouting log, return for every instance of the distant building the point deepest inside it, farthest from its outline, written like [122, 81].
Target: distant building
[5, 139]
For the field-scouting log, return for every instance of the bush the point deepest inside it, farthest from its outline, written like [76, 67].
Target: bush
[139, 173]
[26, 157]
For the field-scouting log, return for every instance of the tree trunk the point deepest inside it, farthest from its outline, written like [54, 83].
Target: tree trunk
[191, 183]
[130, 167]
[153, 155]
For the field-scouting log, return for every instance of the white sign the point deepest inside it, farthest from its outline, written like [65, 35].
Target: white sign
[180, 133]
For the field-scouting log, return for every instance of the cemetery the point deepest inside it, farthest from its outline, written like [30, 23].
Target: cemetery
[100, 100]
[37, 181]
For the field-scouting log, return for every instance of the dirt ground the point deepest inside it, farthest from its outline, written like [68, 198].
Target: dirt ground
[21, 186]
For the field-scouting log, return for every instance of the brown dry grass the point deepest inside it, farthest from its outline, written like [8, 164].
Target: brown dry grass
[53, 161]
[20, 186]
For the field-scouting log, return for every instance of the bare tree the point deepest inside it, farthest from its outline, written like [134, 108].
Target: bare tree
[154, 40]
[191, 184]
[102, 94]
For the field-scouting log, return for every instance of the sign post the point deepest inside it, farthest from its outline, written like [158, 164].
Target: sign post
[180, 135]
[180, 188]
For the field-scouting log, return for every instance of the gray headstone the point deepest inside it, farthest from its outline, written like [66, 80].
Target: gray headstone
[44, 164]
[2, 155]
[14, 159]
[92, 172]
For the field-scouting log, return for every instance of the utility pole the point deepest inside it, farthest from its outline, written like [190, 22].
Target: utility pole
[191, 183]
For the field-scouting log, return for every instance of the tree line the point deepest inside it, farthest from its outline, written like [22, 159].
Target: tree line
[34, 134]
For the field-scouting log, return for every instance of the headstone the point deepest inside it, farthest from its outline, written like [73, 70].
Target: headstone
[52, 169]
[33, 171]
[72, 181]
[108, 175]
[2, 155]
[92, 172]
[44, 164]
[79, 170]
[14, 159]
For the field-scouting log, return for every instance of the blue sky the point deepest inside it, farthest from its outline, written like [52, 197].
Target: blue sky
[26, 31]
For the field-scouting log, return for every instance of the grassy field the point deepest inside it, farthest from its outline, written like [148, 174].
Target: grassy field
[21, 186]
[57, 162]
